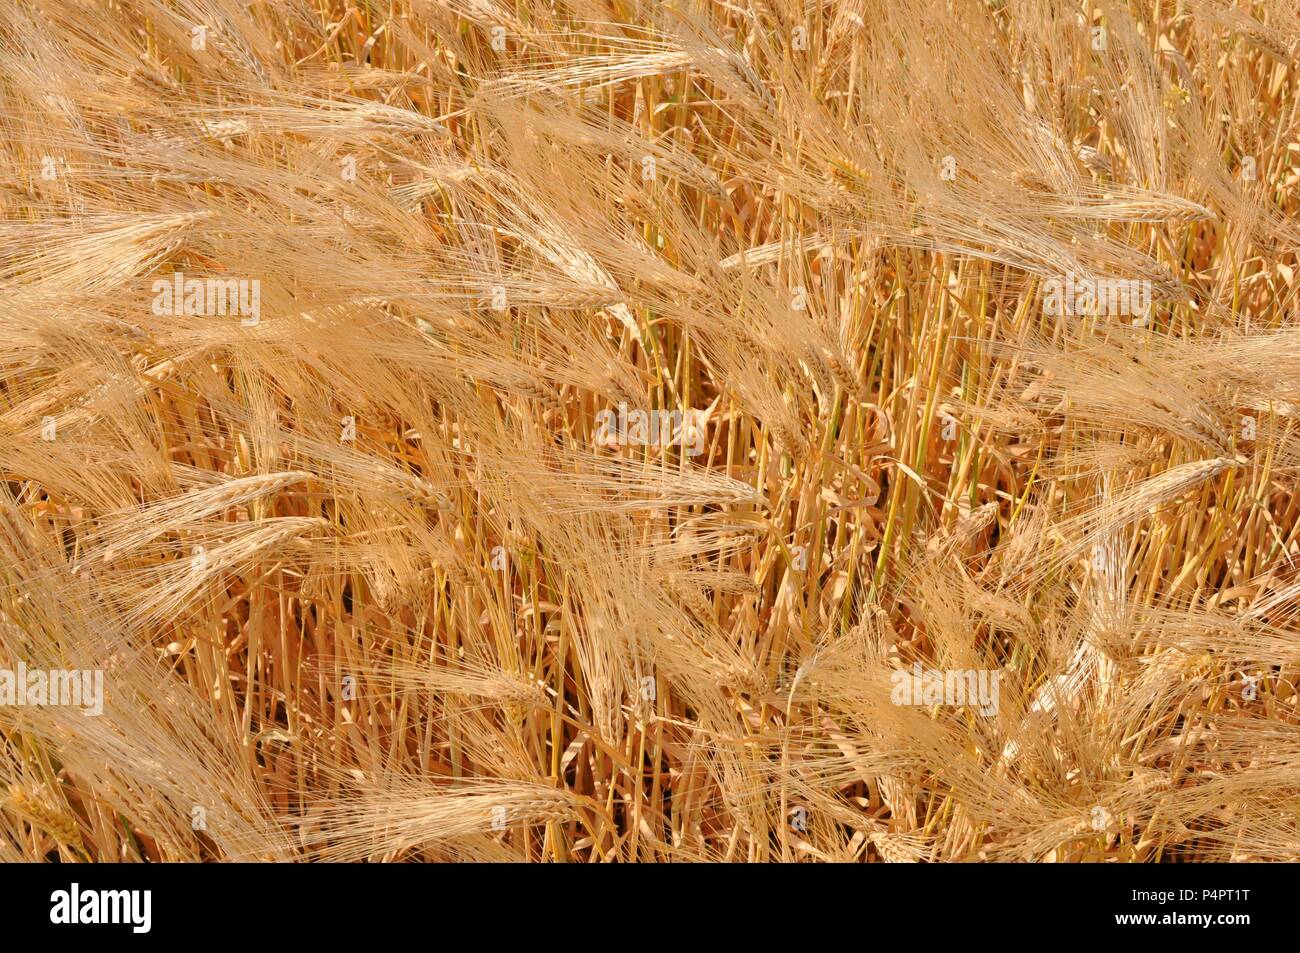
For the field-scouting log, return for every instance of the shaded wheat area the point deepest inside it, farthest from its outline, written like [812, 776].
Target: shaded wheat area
[367, 571]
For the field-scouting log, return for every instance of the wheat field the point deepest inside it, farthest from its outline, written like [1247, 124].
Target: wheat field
[629, 431]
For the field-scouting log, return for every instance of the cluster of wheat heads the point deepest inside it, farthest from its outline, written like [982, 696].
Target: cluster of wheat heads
[613, 430]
